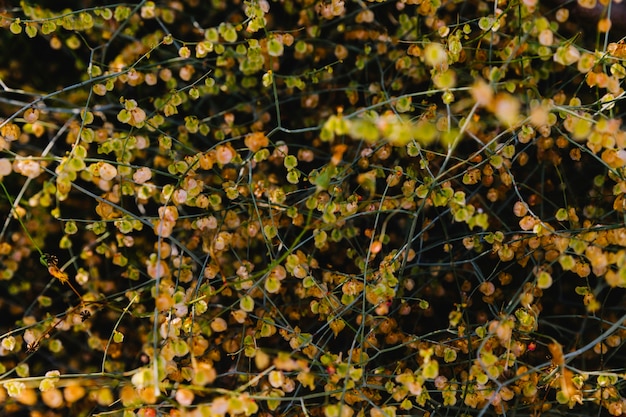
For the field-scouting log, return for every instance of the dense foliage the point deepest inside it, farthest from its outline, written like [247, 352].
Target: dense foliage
[312, 208]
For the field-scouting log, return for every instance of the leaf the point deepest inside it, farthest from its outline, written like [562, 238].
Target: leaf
[118, 337]
[544, 280]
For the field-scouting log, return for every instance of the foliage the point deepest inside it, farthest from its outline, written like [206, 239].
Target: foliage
[317, 208]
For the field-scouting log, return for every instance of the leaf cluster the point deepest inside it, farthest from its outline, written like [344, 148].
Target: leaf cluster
[317, 208]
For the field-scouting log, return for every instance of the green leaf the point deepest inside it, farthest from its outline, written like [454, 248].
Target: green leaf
[290, 162]
[272, 284]
[267, 79]
[270, 231]
[121, 13]
[431, 369]
[561, 215]
[364, 129]
[488, 358]
[118, 337]
[544, 280]
[124, 116]
[15, 27]
[449, 355]
[31, 31]
[228, 32]
[70, 227]
[246, 303]
[582, 290]
[105, 13]
[293, 177]
[48, 27]
[567, 262]
[275, 47]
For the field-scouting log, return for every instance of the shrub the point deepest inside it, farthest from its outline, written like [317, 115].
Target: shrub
[311, 208]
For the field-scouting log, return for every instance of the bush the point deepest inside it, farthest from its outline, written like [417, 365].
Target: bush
[311, 208]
